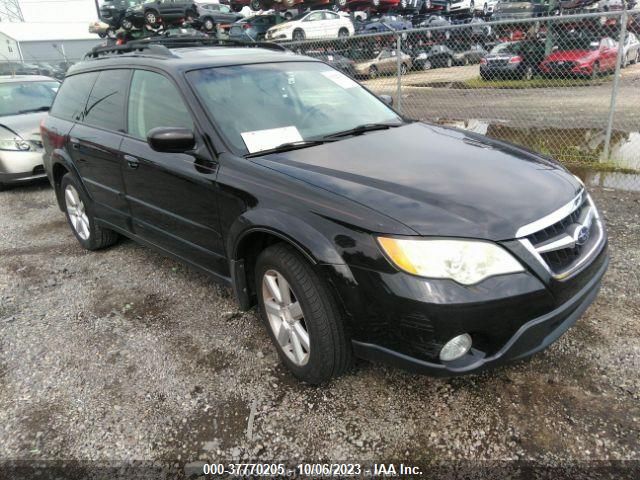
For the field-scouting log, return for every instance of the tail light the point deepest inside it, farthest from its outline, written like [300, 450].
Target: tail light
[516, 59]
[483, 61]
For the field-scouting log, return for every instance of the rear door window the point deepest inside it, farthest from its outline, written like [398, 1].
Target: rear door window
[105, 107]
[71, 99]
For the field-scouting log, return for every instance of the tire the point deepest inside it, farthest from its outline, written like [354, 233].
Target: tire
[527, 74]
[449, 62]
[472, 7]
[298, 35]
[595, 71]
[208, 24]
[373, 72]
[189, 15]
[427, 65]
[311, 342]
[343, 33]
[79, 212]
[127, 25]
[403, 69]
[375, 3]
[404, 4]
[341, 3]
[288, 15]
[625, 61]
[151, 17]
[465, 62]
[637, 59]
[485, 10]
[255, 5]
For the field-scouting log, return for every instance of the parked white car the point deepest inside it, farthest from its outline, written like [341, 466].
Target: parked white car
[450, 6]
[485, 6]
[315, 24]
[631, 50]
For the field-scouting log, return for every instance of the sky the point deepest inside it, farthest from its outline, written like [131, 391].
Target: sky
[58, 10]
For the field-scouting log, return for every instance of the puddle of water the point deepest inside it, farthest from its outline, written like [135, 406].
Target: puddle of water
[583, 146]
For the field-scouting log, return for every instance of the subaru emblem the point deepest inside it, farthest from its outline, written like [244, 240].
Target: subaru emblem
[581, 235]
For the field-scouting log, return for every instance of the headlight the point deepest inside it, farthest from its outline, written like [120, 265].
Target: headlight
[465, 261]
[14, 144]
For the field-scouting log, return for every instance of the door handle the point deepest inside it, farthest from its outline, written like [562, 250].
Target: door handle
[133, 162]
[75, 144]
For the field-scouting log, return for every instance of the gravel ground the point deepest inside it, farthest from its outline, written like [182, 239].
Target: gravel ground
[125, 355]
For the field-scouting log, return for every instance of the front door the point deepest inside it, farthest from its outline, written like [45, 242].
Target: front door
[172, 196]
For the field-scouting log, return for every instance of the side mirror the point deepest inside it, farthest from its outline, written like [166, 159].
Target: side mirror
[388, 99]
[171, 139]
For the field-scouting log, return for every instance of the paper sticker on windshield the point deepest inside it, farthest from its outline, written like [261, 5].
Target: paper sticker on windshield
[259, 140]
[340, 79]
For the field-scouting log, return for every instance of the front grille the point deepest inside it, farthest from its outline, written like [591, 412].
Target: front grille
[560, 245]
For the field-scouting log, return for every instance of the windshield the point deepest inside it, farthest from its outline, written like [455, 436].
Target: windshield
[285, 102]
[24, 97]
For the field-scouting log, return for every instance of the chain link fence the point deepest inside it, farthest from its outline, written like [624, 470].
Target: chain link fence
[567, 86]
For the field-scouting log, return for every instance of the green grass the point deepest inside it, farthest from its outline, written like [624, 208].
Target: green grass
[533, 83]
[610, 167]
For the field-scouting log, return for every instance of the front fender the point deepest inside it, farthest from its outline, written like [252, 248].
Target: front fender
[309, 240]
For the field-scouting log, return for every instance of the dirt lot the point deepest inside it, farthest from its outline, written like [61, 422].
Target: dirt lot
[124, 354]
[552, 107]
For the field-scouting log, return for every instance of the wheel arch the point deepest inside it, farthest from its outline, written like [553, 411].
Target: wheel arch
[252, 233]
[60, 166]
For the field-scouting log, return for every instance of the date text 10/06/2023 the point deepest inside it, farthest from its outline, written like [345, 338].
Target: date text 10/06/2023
[311, 469]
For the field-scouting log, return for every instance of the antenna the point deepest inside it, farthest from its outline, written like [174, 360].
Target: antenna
[10, 11]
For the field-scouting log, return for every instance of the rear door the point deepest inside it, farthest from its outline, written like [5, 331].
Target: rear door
[313, 25]
[172, 196]
[95, 145]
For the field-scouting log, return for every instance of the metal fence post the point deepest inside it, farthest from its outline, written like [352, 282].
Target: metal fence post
[614, 90]
[399, 72]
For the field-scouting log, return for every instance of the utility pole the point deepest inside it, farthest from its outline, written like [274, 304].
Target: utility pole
[10, 11]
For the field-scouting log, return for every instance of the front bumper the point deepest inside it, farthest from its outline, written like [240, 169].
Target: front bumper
[532, 337]
[405, 320]
[18, 167]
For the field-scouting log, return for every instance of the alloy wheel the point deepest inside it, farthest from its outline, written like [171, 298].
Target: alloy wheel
[208, 24]
[427, 65]
[76, 211]
[151, 18]
[286, 318]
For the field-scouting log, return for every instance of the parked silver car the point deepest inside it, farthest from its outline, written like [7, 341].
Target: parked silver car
[24, 102]
[631, 50]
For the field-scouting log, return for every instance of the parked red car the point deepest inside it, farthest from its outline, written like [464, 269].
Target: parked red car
[582, 57]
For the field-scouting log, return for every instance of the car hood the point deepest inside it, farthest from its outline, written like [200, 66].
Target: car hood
[570, 55]
[436, 180]
[27, 126]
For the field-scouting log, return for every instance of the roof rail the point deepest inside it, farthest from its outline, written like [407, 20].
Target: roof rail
[160, 45]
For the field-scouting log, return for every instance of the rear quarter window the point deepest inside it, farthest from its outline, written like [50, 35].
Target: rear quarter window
[72, 97]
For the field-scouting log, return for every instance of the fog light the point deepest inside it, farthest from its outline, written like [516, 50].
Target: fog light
[455, 348]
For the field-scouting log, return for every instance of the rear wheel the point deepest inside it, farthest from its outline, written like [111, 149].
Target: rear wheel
[208, 24]
[127, 25]
[449, 62]
[595, 71]
[403, 69]
[343, 33]
[373, 72]
[427, 65]
[301, 315]
[255, 5]
[298, 35]
[528, 73]
[151, 17]
[79, 212]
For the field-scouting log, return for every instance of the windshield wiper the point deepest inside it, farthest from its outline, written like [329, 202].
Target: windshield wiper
[286, 147]
[32, 110]
[360, 129]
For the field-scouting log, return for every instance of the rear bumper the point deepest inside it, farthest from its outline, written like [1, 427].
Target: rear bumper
[533, 336]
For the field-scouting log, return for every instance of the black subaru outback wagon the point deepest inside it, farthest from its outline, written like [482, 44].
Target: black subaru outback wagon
[355, 231]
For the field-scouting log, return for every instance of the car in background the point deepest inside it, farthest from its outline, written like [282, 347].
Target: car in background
[454, 6]
[25, 102]
[156, 12]
[518, 9]
[513, 60]
[465, 55]
[485, 7]
[336, 60]
[432, 57]
[19, 68]
[314, 24]
[113, 12]
[254, 28]
[383, 62]
[581, 56]
[384, 23]
[433, 21]
[475, 29]
[212, 14]
[630, 50]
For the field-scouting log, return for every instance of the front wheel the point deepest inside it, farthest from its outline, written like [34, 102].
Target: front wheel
[403, 69]
[528, 73]
[301, 315]
[427, 65]
[373, 72]
[78, 210]
[255, 5]
[298, 36]
[343, 33]
[127, 25]
[449, 62]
